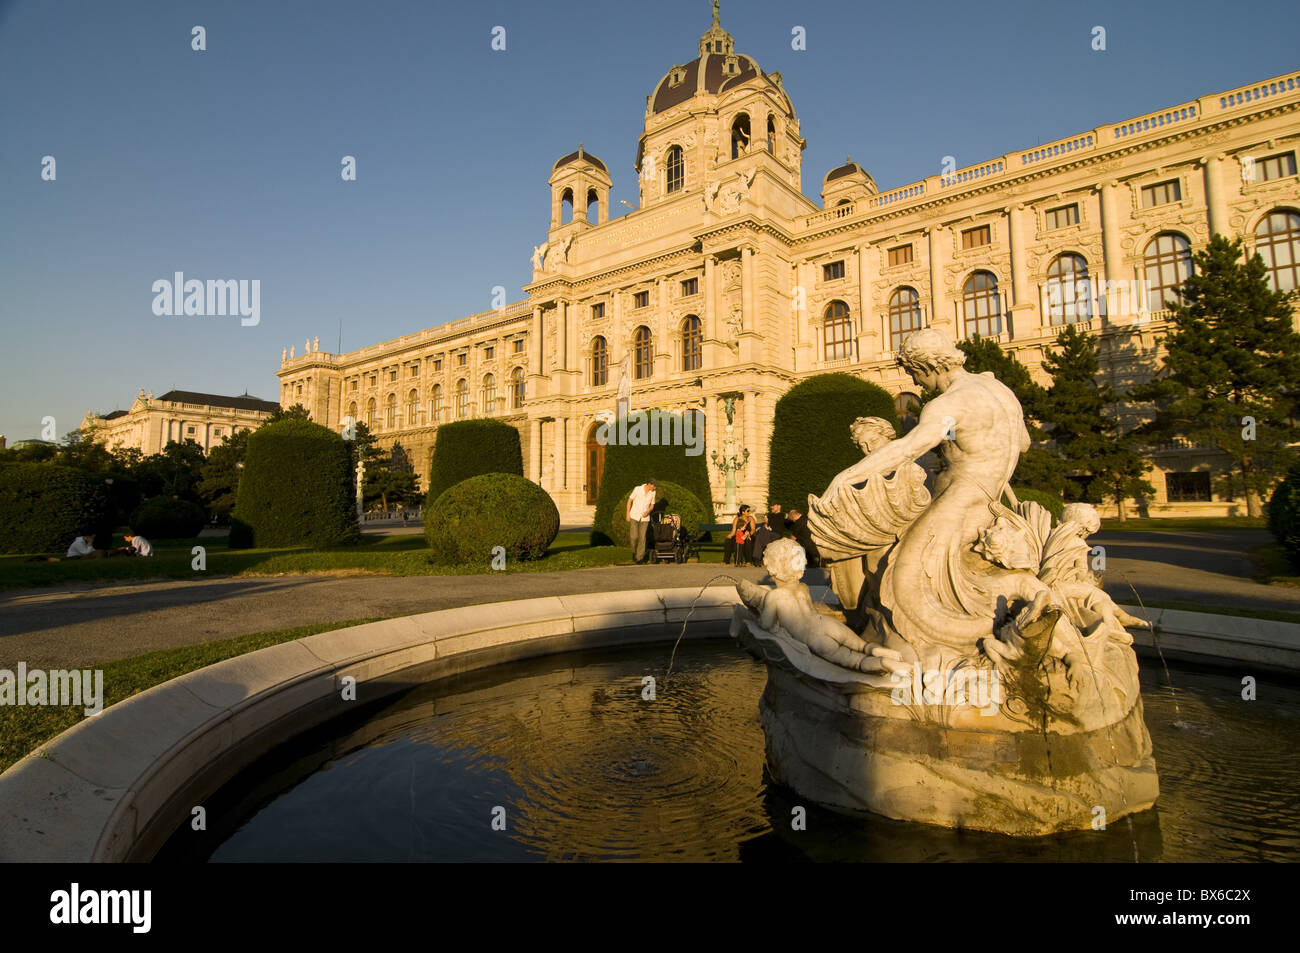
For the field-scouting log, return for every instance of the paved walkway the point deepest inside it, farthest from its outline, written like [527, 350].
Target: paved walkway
[93, 624]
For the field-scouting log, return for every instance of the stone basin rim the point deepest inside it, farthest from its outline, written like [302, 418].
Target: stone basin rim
[107, 791]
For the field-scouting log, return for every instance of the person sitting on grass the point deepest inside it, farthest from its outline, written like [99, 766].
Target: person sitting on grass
[137, 545]
[82, 548]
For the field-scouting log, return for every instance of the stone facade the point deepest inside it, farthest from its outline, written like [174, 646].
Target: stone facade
[729, 281]
[178, 415]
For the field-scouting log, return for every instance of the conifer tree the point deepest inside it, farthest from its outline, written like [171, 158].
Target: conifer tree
[1231, 372]
[1088, 440]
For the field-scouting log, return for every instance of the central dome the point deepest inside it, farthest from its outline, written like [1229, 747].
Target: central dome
[716, 68]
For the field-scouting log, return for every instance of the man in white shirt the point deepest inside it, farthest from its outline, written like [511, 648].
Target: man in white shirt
[80, 547]
[639, 504]
[138, 545]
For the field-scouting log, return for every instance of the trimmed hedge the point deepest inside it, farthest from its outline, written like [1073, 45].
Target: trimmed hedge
[1284, 515]
[165, 518]
[43, 506]
[670, 498]
[811, 443]
[470, 519]
[628, 466]
[468, 448]
[1048, 501]
[296, 488]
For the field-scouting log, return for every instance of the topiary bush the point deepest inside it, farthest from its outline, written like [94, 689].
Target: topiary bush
[164, 517]
[470, 519]
[1284, 516]
[1048, 501]
[810, 434]
[629, 465]
[44, 505]
[296, 488]
[468, 448]
[670, 498]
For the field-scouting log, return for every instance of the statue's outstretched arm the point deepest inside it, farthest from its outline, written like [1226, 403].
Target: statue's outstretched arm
[928, 433]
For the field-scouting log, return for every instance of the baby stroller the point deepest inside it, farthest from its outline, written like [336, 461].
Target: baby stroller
[665, 536]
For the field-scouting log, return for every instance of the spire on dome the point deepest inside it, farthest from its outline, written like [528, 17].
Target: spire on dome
[716, 40]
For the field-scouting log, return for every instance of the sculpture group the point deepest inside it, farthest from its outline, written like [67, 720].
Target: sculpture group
[944, 580]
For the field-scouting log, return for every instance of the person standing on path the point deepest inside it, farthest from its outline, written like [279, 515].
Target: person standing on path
[639, 504]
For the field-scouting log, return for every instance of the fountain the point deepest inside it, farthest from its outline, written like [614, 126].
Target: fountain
[977, 676]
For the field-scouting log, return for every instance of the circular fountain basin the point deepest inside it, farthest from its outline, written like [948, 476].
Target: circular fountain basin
[581, 765]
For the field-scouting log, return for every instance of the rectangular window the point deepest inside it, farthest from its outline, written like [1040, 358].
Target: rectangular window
[690, 287]
[833, 271]
[598, 311]
[975, 237]
[216, 432]
[437, 363]
[1162, 193]
[415, 370]
[460, 359]
[189, 430]
[392, 375]
[519, 345]
[900, 255]
[641, 299]
[488, 353]
[355, 382]
[374, 379]
[1061, 217]
[1187, 487]
[1275, 167]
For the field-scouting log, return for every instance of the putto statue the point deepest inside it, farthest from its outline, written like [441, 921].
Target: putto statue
[977, 675]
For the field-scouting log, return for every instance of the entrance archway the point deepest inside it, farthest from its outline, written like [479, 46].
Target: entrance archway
[595, 464]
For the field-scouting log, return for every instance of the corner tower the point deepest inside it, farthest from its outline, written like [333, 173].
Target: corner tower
[579, 182]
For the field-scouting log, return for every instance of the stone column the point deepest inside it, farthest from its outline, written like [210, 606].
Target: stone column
[535, 450]
[535, 344]
[710, 299]
[749, 318]
[746, 477]
[1113, 267]
[868, 320]
[1021, 310]
[938, 306]
[1214, 195]
[562, 438]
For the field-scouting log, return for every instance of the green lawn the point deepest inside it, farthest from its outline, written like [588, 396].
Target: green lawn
[394, 555]
[23, 730]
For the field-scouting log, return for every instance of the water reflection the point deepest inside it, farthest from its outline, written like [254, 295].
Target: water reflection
[586, 769]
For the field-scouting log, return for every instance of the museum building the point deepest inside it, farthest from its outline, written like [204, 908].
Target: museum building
[727, 285]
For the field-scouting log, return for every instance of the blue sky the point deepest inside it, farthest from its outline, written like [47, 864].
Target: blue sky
[225, 163]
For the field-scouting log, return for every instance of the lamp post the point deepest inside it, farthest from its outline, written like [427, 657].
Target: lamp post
[733, 457]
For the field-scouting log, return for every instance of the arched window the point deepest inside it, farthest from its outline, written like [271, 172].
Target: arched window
[904, 316]
[599, 362]
[517, 388]
[739, 136]
[370, 413]
[676, 170]
[839, 332]
[566, 206]
[412, 408]
[593, 206]
[489, 395]
[771, 136]
[352, 411]
[1069, 293]
[1167, 264]
[692, 344]
[643, 359]
[1277, 241]
[982, 305]
[462, 399]
[435, 412]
